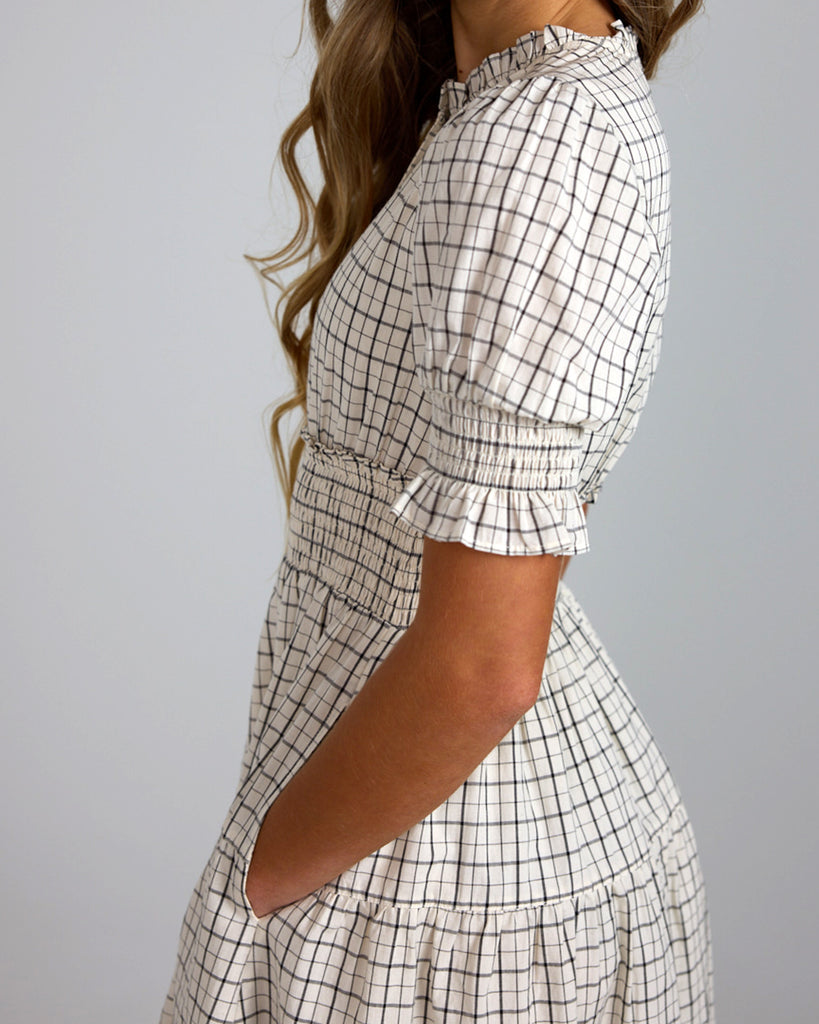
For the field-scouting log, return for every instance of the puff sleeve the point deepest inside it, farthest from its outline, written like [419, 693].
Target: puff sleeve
[533, 270]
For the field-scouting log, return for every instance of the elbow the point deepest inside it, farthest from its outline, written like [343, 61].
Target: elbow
[524, 695]
[498, 696]
[500, 688]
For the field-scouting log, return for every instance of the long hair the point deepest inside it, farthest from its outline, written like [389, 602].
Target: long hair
[373, 95]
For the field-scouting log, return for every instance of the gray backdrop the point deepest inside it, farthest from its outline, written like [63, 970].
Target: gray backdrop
[142, 523]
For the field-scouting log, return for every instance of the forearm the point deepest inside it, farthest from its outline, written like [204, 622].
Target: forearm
[404, 744]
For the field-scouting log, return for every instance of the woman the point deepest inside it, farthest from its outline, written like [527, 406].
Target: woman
[449, 807]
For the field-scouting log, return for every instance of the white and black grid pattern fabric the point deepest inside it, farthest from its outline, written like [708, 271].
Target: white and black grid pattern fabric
[478, 363]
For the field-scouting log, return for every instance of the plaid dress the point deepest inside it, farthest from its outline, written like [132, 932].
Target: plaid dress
[479, 362]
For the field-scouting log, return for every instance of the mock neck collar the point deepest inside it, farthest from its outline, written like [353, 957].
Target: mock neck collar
[551, 46]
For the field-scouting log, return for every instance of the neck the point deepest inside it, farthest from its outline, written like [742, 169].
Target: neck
[481, 27]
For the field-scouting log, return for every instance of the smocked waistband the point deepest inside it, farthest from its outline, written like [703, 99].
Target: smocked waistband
[341, 531]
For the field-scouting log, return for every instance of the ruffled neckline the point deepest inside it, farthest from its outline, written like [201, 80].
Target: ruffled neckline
[553, 40]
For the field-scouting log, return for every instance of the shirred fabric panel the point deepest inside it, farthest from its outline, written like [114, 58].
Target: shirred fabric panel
[533, 273]
[498, 483]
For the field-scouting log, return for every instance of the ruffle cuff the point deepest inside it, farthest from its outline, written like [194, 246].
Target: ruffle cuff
[496, 482]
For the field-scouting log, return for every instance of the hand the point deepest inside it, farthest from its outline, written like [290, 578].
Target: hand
[258, 890]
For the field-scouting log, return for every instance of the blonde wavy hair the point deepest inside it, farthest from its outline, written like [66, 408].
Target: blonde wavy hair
[374, 93]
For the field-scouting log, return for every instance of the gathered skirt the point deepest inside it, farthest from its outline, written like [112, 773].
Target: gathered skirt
[559, 884]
